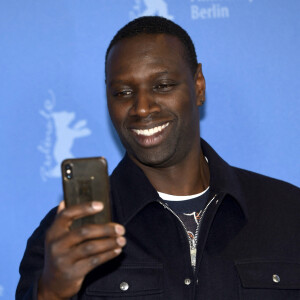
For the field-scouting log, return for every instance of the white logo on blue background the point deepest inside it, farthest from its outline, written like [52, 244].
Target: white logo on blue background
[59, 137]
[150, 8]
[211, 9]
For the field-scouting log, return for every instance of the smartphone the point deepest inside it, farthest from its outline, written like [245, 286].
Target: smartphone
[85, 180]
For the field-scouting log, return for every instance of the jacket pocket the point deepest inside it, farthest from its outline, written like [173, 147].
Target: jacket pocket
[276, 280]
[142, 281]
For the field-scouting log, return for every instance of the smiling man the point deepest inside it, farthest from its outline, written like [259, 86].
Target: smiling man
[153, 96]
[196, 228]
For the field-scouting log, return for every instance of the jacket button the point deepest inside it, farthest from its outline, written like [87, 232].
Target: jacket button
[187, 281]
[276, 278]
[124, 286]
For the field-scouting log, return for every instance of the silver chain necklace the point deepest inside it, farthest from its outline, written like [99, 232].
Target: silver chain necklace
[193, 246]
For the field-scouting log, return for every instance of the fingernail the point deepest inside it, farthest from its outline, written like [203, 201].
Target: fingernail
[119, 229]
[118, 251]
[97, 205]
[61, 206]
[121, 241]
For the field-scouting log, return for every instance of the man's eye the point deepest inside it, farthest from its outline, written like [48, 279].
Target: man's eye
[123, 93]
[164, 87]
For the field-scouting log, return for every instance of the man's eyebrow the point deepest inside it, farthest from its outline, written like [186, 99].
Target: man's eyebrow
[112, 82]
[162, 73]
[120, 81]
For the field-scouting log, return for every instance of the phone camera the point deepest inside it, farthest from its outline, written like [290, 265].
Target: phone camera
[68, 171]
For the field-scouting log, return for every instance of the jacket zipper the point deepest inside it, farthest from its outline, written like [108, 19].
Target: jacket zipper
[193, 249]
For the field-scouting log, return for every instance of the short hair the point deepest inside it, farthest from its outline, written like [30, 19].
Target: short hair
[157, 25]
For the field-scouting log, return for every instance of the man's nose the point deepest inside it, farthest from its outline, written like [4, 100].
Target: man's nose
[144, 104]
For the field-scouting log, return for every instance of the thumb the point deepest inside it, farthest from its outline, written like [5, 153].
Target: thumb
[61, 206]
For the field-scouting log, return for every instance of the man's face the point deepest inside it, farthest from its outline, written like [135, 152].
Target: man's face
[152, 98]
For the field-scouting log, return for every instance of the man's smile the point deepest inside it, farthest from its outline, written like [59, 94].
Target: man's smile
[150, 137]
[150, 131]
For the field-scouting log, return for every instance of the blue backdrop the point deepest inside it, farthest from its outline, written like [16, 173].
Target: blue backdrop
[53, 94]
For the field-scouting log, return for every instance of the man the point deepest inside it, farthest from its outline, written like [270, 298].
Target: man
[196, 228]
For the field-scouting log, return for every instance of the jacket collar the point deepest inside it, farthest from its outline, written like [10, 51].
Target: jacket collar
[223, 177]
[132, 190]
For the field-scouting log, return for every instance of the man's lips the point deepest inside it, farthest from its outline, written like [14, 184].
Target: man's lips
[150, 137]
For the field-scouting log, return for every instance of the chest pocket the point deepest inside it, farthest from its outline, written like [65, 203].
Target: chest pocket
[129, 281]
[276, 280]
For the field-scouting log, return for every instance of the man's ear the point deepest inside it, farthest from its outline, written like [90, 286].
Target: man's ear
[199, 85]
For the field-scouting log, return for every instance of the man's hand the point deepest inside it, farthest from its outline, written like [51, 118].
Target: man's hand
[71, 254]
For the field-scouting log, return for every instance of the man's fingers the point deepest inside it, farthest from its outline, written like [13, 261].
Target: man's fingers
[80, 210]
[86, 233]
[65, 260]
[66, 216]
[84, 266]
[96, 247]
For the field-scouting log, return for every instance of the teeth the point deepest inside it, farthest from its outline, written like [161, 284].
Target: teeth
[151, 131]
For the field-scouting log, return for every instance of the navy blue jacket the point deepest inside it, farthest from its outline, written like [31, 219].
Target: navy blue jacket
[248, 246]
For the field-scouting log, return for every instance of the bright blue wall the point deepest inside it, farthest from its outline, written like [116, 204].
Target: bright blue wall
[52, 61]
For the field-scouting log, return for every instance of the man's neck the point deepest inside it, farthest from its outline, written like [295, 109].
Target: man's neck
[188, 177]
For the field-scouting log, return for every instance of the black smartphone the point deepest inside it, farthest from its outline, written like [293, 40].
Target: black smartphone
[85, 180]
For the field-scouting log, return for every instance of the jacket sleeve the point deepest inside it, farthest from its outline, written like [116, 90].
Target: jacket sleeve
[33, 260]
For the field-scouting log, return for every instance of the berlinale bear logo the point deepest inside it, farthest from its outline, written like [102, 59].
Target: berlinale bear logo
[150, 8]
[59, 139]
